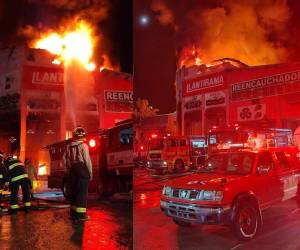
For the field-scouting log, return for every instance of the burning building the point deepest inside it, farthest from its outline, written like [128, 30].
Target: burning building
[42, 100]
[228, 91]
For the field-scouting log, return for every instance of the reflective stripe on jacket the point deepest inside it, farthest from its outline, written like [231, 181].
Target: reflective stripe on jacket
[16, 170]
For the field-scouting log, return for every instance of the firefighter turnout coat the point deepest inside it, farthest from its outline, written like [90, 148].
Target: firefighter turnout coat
[18, 177]
[77, 160]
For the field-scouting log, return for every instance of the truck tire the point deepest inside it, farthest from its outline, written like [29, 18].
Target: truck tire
[246, 220]
[178, 165]
[182, 223]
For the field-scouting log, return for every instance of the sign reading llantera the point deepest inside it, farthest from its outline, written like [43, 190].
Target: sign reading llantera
[47, 77]
[267, 81]
[118, 96]
[199, 84]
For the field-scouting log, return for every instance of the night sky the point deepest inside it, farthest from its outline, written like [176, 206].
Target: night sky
[157, 46]
[154, 60]
[116, 28]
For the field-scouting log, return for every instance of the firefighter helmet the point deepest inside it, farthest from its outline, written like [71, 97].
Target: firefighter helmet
[9, 157]
[79, 132]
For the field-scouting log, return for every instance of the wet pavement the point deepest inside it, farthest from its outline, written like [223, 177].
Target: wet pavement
[48, 226]
[154, 230]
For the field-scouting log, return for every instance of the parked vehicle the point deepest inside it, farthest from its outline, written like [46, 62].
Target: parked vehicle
[233, 188]
[111, 153]
[174, 153]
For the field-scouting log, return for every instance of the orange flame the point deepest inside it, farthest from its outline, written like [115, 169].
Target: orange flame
[190, 56]
[76, 42]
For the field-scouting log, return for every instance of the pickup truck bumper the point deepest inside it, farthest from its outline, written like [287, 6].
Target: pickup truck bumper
[196, 214]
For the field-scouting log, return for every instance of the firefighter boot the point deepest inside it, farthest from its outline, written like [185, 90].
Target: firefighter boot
[3, 209]
[72, 213]
[85, 218]
[13, 209]
[27, 206]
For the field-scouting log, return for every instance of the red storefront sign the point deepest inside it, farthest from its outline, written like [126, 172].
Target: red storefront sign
[203, 84]
[118, 101]
[268, 85]
[43, 78]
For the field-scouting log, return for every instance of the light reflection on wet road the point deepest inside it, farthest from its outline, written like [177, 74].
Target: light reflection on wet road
[110, 227]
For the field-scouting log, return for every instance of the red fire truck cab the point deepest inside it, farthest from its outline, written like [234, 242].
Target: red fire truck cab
[175, 153]
[111, 152]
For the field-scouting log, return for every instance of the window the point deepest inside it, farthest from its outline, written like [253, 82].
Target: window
[126, 136]
[172, 143]
[283, 161]
[266, 161]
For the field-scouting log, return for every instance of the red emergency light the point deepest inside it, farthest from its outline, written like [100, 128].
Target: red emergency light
[141, 147]
[92, 143]
[153, 135]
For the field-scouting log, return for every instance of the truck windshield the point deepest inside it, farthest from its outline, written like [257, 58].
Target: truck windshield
[230, 163]
[222, 137]
[227, 137]
[156, 144]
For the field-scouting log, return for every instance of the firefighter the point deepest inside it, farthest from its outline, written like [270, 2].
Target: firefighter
[17, 177]
[32, 175]
[3, 179]
[77, 159]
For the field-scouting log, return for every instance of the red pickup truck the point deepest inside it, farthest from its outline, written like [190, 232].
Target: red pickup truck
[233, 188]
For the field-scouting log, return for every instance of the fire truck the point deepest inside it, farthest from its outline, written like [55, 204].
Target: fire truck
[175, 153]
[236, 136]
[111, 152]
[234, 188]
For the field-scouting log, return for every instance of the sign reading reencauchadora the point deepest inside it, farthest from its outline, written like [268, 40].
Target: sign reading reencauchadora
[119, 96]
[276, 84]
[118, 101]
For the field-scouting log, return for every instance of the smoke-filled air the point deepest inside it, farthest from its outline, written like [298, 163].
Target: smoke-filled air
[254, 31]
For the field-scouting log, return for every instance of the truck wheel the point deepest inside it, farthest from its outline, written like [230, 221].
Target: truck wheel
[178, 165]
[246, 221]
[182, 223]
[66, 189]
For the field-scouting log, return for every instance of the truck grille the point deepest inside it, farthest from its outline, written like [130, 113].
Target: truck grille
[155, 156]
[185, 194]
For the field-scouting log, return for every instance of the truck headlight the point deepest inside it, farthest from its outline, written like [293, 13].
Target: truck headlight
[165, 163]
[212, 195]
[166, 191]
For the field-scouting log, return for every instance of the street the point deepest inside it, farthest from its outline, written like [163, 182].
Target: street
[154, 230]
[48, 226]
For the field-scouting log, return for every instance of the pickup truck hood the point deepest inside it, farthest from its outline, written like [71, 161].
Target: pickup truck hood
[205, 181]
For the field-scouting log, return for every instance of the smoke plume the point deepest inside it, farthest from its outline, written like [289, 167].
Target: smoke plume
[163, 13]
[252, 31]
